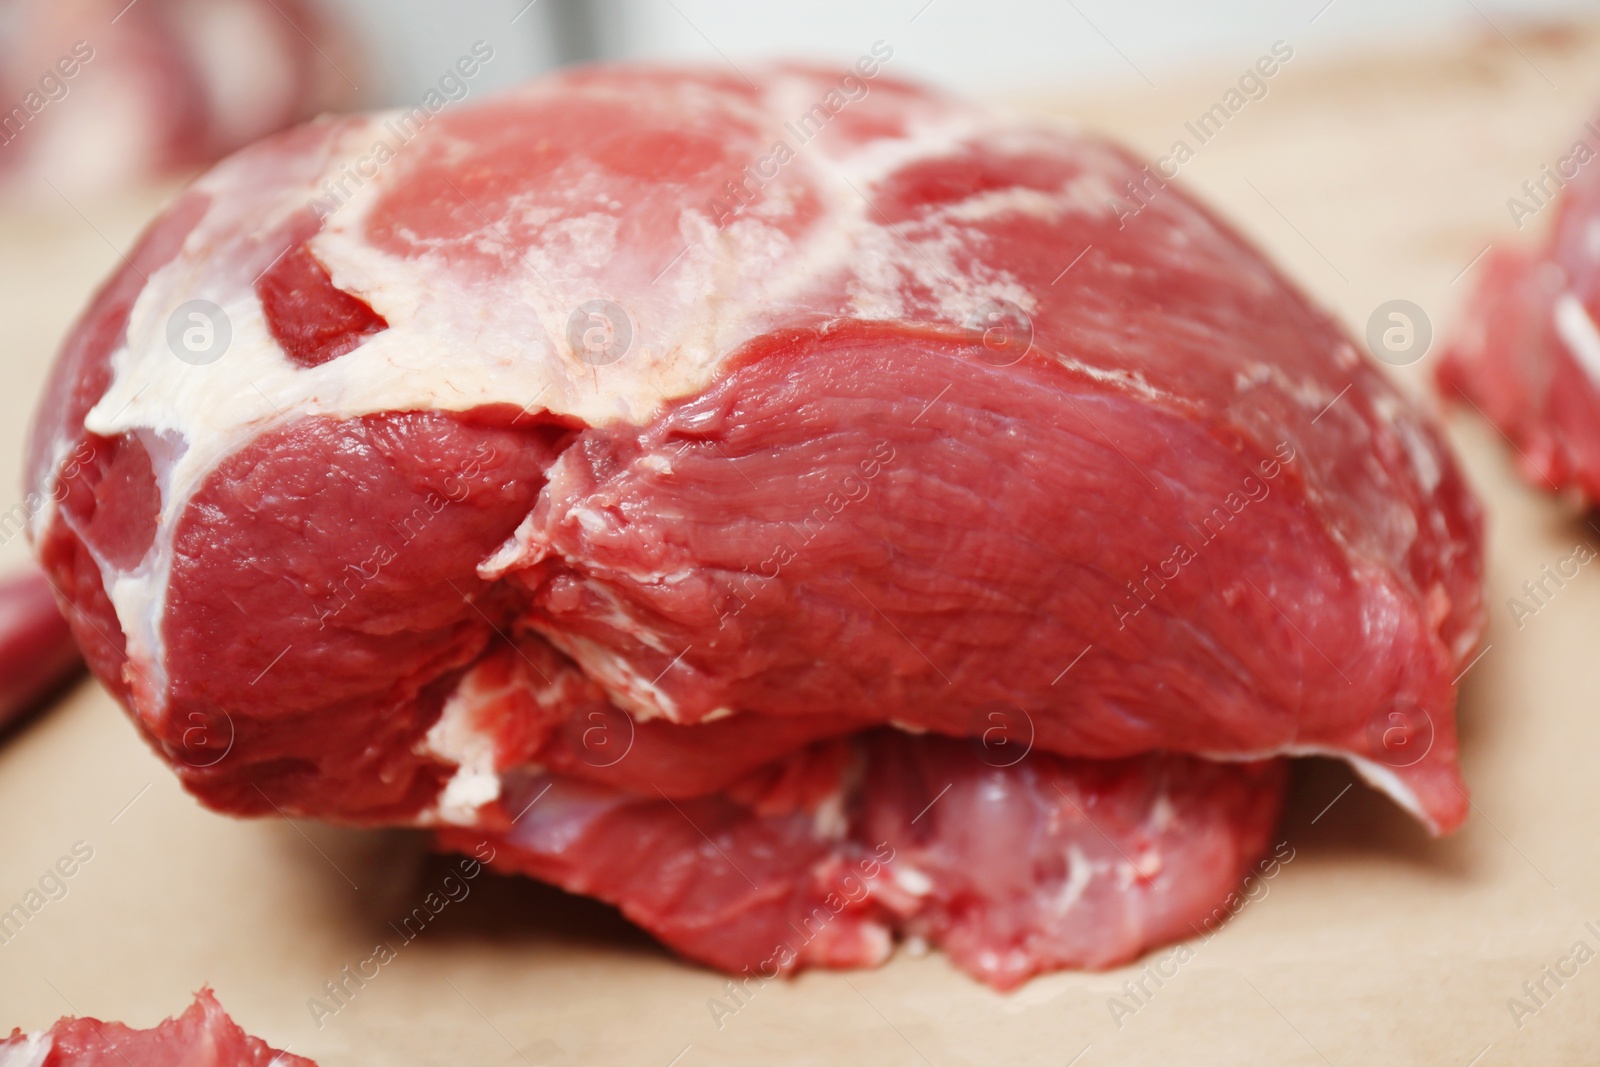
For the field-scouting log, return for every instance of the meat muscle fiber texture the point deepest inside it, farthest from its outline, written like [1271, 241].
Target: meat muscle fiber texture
[826, 856]
[203, 1036]
[1528, 354]
[660, 434]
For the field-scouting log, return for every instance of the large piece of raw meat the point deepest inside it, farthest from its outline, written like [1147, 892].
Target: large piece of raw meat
[650, 435]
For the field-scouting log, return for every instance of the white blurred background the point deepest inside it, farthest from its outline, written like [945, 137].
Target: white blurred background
[987, 47]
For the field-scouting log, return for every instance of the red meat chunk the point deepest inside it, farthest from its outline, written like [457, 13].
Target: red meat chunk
[203, 1036]
[825, 858]
[646, 433]
[1528, 354]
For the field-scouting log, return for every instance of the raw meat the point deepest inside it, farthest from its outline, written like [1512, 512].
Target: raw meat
[1528, 354]
[711, 421]
[37, 653]
[824, 858]
[203, 1036]
[98, 94]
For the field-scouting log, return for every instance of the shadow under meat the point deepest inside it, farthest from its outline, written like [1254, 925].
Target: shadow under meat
[507, 910]
[1330, 820]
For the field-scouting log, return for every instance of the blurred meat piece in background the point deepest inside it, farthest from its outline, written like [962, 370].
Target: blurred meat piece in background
[1528, 353]
[100, 94]
[203, 1036]
[37, 653]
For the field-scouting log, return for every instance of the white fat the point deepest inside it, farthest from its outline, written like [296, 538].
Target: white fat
[592, 521]
[616, 615]
[456, 738]
[32, 1051]
[1146, 867]
[137, 596]
[1092, 193]
[911, 879]
[877, 942]
[631, 691]
[217, 407]
[1079, 874]
[1001, 202]
[519, 550]
[1313, 396]
[1162, 812]
[466, 792]
[1346, 355]
[1257, 375]
[1424, 460]
[829, 821]
[1578, 332]
[1131, 381]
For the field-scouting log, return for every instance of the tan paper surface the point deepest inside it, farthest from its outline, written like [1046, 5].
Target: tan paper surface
[1368, 179]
